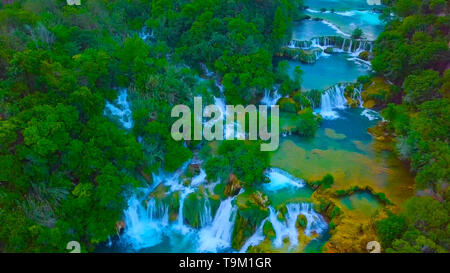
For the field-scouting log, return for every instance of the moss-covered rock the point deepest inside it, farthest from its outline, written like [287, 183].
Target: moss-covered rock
[252, 210]
[194, 207]
[329, 50]
[288, 105]
[364, 55]
[233, 186]
[377, 92]
[268, 230]
[301, 221]
[308, 56]
[301, 100]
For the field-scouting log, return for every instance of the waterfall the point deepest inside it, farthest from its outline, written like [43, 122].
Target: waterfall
[184, 229]
[315, 223]
[147, 219]
[120, 109]
[292, 44]
[143, 229]
[333, 98]
[218, 235]
[349, 50]
[206, 217]
[256, 238]
[280, 179]
[199, 179]
[207, 72]
[144, 34]
[269, 99]
[286, 228]
[220, 86]
[371, 114]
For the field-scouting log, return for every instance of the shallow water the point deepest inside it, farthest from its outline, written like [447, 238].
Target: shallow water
[307, 29]
[339, 5]
[361, 201]
[347, 21]
[330, 70]
[343, 148]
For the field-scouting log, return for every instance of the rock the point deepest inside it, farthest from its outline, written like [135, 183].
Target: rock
[364, 55]
[301, 221]
[233, 186]
[194, 168]
[329, 50]
[268, 230]
[288, 105]
[120, 225]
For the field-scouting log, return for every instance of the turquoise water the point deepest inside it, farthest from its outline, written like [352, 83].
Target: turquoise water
[340, 4]
[356, 132]
[329, 70]
[347, 21]
[307, 29]
[361, 201]
[284, 188]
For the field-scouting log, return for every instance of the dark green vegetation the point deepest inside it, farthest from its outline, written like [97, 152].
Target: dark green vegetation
[413, 54]
[65, 167]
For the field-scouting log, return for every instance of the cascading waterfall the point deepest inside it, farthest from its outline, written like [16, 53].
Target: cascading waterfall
[371, 114]
[270, 99]
[217, 236]
[180, 222]
[315, 223]
[144, 34]
[231, 130]
[255, 239]
[147, 222]
[333, 98]
[207, 72]
[281, 179]
[120, 109]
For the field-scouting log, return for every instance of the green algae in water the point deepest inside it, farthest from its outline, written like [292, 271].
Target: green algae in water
[361, 201]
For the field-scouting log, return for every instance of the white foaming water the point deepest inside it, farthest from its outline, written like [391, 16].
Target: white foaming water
[256, 238]
[199, 179]
[315, 223]
[270, 99]
[336, 28]
[371, 114]
[231, 130]
[218, 235]
[149, 225]
[180, 224]
[280, 179]
[120, 109]
[207, 72]
[144, 34]
[286, 228]
[331, 99]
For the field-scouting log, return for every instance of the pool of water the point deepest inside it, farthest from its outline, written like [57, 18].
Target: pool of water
[285, 188]
[343, 148]
[329, 70]
[342, 4]
[347, 21]
[361, 201]
[308, 29]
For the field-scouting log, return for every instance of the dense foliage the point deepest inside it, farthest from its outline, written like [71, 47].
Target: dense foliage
[413, 53]
[66, 166]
